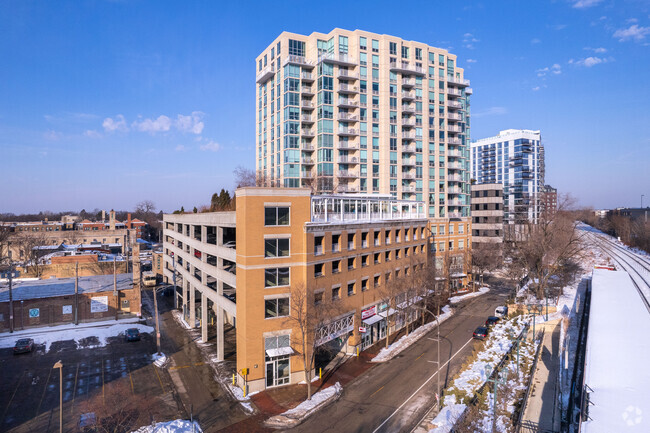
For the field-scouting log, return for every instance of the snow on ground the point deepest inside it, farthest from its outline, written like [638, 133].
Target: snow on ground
[176, 426]
[306, 408]
[394, 349]
[159, 360]
[497, 344]
[178, 316]
[49, 335]
[457, 299]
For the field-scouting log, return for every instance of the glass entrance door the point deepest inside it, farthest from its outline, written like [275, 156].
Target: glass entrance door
[277, 371]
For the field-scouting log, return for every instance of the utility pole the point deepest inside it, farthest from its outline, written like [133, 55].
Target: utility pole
[11, 300]
[117, 298]
[76, 294]
[496, 382]
[155, 306]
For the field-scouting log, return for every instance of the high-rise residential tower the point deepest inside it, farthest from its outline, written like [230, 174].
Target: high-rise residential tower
[358, 112]
[515, 159]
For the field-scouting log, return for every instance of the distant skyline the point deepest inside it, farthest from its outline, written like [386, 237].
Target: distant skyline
[108, 103]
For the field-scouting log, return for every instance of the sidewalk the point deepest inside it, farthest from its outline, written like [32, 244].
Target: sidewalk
[542, 409]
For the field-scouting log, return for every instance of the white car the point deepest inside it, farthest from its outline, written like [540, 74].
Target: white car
[501, 311]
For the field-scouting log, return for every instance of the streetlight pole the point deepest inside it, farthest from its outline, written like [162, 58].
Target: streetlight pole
[155, 306]
[496, 382]
[59, 365]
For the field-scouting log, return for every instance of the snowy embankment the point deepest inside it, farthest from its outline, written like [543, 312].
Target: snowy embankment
[101, 331]
[398, 346]
[474, 376]
[457, 299]
[176, 426]
[295, 416]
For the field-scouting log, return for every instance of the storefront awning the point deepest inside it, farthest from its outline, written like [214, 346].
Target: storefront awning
[388, 312]
[280, 351]
[458, 275]
[372, 320]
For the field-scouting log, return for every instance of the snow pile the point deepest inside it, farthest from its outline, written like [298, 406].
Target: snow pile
[462, 389]
[47, 336]
[457, 299]
[159, 360]
[176, 426]
[386, 354]
[178, 316]
[294, 416]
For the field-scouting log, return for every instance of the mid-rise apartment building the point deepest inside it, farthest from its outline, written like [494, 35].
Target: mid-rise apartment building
[515, 159]
[353, 111]
[340, 250]
[487, 213]
[549, 201]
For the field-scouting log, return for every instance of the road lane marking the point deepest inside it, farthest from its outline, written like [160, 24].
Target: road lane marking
[178, 367]
[74, 391]
[103, 397]
[421, 386]
[12, 397]
[419, 357]
[376, 391]
[38, 409]
[126, 362]
[159, 380]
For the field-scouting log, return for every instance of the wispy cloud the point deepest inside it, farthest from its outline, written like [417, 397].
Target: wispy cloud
[599, 50]
[192, 123]
[634, 32]
[52, 135]
[492, 111]
[584, 4]
[91, 133]
[535, 41]
[469, 40]
[180, 148]
[588, 62]
[536, 88]
[471, 60]
[554, 69]
[116, 124]
[152, 126]
[559, 26]
[211, 146]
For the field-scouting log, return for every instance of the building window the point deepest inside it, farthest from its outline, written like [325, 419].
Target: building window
[318, 298]
[364, 260]
[364, 285]
[376, 258]
[276, 248]
[276, 216]
[461, 244]
[275, 277]
[351, 264]
[350, 241]
[318, 270]
[336, 246]
[336, 266]
[278, 307]
[387, 256]
[351, 289]
[364, 240]
[451, 229]
[461, 228]
[318, 245]
[336, 293]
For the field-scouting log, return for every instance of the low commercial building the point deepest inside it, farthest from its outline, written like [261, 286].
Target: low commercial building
[487, 213]
[53, 301]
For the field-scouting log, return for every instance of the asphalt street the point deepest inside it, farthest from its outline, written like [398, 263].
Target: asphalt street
[396, 395]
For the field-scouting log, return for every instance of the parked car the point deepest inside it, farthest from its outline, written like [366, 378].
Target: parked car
[492, 320]
[480, 333]
[24, 345]
[132, 334]
[501, 311]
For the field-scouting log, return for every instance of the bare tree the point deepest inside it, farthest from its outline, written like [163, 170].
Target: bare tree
[392, 292]
[307, 318]
[485, 257]
[5, 235]
[30, 251]
[244, 177]
[145, 207]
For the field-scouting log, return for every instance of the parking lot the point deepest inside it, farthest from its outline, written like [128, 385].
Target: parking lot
[100, 380]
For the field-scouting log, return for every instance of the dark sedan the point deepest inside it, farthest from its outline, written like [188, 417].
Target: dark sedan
[492, 320]
[132, 334]
[24, 345]
[480, 333]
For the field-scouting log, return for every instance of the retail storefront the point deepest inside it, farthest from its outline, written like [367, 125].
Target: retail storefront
[374, 324]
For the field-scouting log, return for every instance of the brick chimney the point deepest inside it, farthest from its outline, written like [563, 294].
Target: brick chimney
[103, 215]
[128, 221]
[111, 221]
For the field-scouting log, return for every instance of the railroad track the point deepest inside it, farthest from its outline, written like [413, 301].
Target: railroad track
[636, 266]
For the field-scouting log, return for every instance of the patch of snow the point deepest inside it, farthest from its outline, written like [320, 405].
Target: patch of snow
[293, 416]
[159, 360]
[388, 353]
[447, 418]
[457, 299]
[100, 330]
[176, 426]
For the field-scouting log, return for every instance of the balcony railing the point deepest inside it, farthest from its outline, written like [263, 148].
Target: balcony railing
[347, 131]
[340, 59]
[406, 68]
[347, 117]
[344, 88]
[342, 73]
[265, 74]
[299, 60]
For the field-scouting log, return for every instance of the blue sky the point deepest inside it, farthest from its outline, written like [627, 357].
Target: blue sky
[106, 103]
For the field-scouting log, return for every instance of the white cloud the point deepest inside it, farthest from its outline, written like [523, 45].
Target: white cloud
[161, 124]
[192, 123]
[599, 50]
[91, 133]
[632, 20]
[471, 60]
[633, 32]
[555, 69]
[180, 148]
[535, 41]
[52, 135]
[117, 124]
[211, 146]
[492, 111]
[536, 88]
[469, 40]
[583, 4]
[559, 26]
[588, 62]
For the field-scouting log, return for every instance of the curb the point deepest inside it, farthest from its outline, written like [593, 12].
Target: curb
[288, 421]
